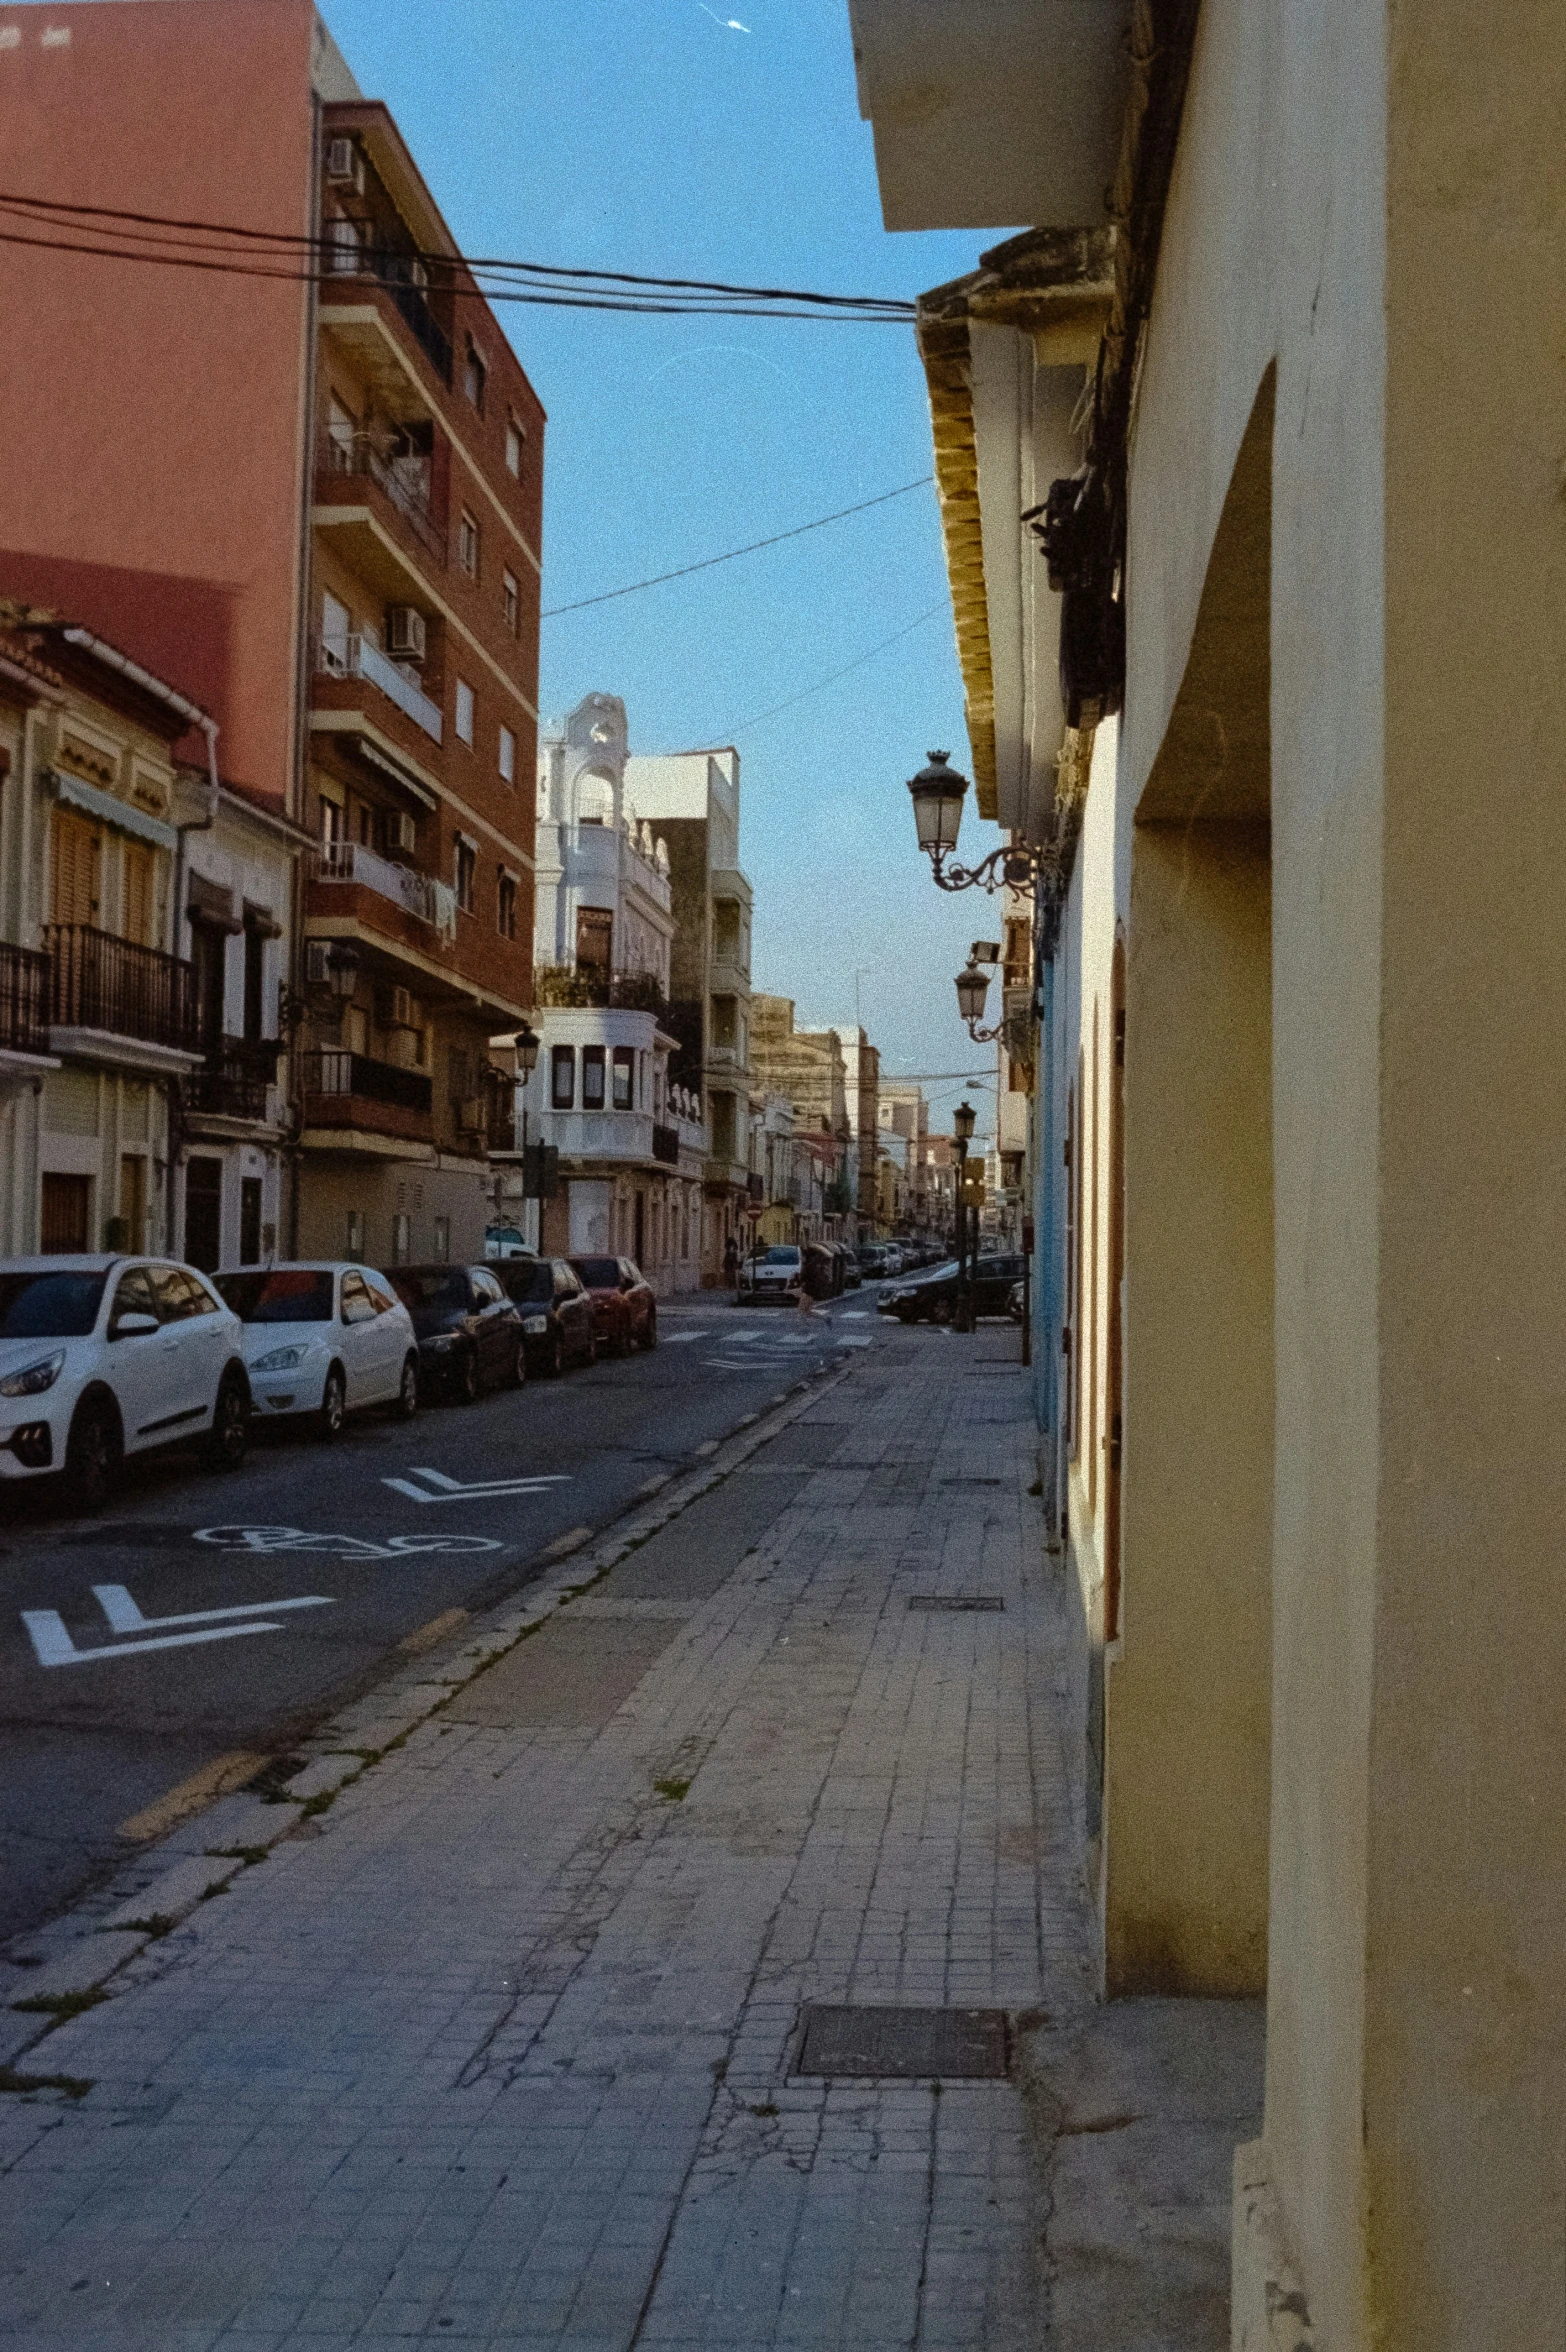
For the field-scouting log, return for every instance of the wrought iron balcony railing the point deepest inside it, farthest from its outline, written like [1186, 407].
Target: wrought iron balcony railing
[334, 1070]
[405, 481]
[235, 1081]
[24, 992]
[99, 982]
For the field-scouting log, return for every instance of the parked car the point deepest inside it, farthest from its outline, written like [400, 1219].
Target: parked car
[776, 1272]
[506, 1241]
[469, 1333]
[932, 1298]
[101, 1357]
[559, 1326]
[892, 1263]
[872, 1260]
[323, 1339]
[625, 1310]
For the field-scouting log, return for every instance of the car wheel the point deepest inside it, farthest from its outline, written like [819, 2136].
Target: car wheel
[94, 1454]
[518, 1376]
[407, 1403]
[334, 1406]
[649, 1337]
[228, 1440]
[466, 1380]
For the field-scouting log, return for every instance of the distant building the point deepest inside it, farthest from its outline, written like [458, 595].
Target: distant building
[809, 1067]
[693, 800]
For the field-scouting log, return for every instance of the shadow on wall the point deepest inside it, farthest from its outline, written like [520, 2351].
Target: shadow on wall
[179, 628]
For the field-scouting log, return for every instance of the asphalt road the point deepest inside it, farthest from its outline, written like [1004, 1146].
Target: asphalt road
[204, 1614]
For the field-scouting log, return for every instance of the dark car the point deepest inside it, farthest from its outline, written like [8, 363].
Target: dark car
[625, 1311]
[558, 1322]
[852, 1277]
[933, 1298]
[823, 1270]
[469, 1333]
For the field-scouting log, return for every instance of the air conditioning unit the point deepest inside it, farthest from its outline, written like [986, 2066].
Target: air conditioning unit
[399, 833]
[345, 165]
[395, 1008]
[406, 637]
[470, 1115]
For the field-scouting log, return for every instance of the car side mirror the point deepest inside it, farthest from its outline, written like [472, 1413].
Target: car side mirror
[132, 1325]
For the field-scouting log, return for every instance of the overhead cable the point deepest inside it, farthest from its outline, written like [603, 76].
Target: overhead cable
[609, 594]
[857, 663]
[106, 232]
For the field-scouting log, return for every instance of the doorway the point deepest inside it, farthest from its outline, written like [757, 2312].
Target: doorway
[250, 1220]
[204, 1214]
[65, 1205]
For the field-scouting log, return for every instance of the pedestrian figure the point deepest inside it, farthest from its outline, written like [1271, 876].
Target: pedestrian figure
[731, 1263]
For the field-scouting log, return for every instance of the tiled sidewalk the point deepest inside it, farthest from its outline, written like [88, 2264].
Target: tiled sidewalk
[501, 2053]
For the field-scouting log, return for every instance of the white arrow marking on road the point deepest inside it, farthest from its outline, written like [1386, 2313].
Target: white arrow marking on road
[453, 1490]
[125, 1617]
[54, 1646]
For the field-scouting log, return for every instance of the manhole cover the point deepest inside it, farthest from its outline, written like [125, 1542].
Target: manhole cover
[953, 1604]
[905, 2044]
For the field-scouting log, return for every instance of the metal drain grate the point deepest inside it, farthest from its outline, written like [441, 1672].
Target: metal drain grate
[953, 1604]
[905, 2045]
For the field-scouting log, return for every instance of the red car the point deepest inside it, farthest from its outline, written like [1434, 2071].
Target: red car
[625, 1311]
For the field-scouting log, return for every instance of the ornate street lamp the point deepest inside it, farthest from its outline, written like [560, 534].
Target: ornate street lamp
[342, 970]
[937, 793]
[525, 1045]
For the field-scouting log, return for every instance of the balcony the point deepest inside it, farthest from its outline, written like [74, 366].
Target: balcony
[600, 1135]
[236, 1079]
[24, 1001]
[357, 657]
[403, 481]
[395, 274]
[419, 895]
[582, 986]
[349, 1090]
[116, 988]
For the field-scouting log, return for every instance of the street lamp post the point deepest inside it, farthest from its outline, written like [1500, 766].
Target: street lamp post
[525, 1045]
[962, 1129]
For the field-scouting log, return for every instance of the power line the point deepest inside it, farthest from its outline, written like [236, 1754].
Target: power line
[657, 581]
[230, 249]
[821, 684]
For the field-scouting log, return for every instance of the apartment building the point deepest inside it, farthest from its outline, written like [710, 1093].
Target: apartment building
[861, 1091]
[629, 1175]
[692, 799]
[318, 515]
[809, 1068]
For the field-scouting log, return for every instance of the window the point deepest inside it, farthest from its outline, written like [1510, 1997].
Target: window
[511, 602]
[402, 1239]
[336, 629]
[443, 1239]
[475, 375]
[74, 856]
[357, 1304]
[594, 941]
[466, 872]
[344, 247]
[138, 910]
[340, 432]
[465, 712]
[515, 436]
[468, 545]
[562, 1078]
[623, 1070]
[508, 756]
[592, 1077]
[506, 905]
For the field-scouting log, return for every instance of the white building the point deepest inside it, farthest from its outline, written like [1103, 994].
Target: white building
[630, 1145]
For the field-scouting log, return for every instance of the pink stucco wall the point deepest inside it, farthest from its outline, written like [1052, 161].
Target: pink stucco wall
[151, 418]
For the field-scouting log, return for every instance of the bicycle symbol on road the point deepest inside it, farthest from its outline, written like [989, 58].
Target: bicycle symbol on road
[340, 1547]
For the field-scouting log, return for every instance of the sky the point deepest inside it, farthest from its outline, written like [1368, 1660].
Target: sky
[653, 135]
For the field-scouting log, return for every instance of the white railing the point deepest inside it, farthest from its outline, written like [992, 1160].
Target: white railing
[418, 894]
[600, 1135]
[357, 657]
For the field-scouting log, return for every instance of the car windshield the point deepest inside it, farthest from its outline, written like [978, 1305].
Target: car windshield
[532, 1282]
[49, 1306]
[599, 1273]
[438, 1286]
[780, 1254]
[278, 1294]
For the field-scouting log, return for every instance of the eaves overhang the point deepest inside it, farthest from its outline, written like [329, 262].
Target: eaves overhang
[1053, 285]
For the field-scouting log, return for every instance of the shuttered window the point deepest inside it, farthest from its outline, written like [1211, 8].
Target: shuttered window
[74, 855]
[139, 913]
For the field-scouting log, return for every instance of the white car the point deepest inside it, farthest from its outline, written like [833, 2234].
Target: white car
[324, 1338]
[101, 1357]
[776, 1272]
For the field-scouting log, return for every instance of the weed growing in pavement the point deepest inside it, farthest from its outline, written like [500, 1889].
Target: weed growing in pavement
[319, 1803]
[210, 1894]
[674, 1790]
[767, 2107]
[156, 1925]
[60, 2006]
[75, 2086]
[249, 1855]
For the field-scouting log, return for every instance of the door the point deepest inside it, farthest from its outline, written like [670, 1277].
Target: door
[639, 1229]
[204, 1213]
[392, 1340]
[362, 1342]
[138, 1366]
[497, 1326]
[575, 1311]
[133, 1198]
[190, 1353]
[209, 967]
[65, 1205]
[594, 941]
[250, 1220]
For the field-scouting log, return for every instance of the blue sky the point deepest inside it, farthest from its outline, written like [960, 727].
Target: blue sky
[648, 135]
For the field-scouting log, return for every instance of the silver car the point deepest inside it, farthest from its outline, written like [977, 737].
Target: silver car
[324, 1338]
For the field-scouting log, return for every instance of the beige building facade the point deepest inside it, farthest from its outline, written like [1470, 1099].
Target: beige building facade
[1303, 984]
